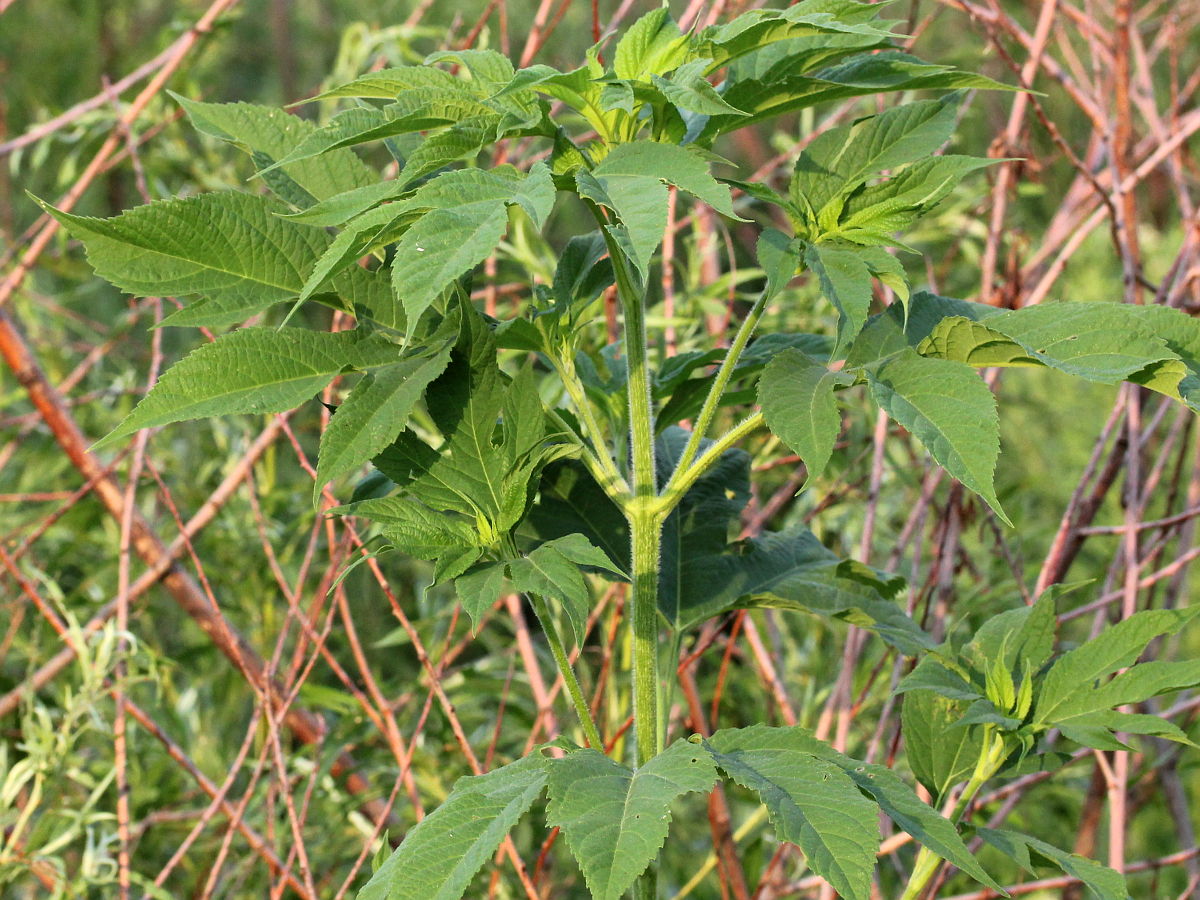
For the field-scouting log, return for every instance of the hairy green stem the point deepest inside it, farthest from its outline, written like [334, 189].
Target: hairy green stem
[991, 757]
[644, 512]
[717, 389]
[559, 651]
[682, 480]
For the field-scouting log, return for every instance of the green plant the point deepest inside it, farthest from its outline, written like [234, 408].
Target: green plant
[516, 455]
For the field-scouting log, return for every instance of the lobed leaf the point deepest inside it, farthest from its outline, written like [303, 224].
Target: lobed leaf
[614, 819]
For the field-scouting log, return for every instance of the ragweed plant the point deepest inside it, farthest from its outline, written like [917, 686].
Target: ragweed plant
[515, 456]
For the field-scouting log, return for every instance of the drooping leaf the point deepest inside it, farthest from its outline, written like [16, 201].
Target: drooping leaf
[253, 370]
[1102, 882]
[950, 410]
[615, 820]
[441, 854]
[793, 570]
[845, 279]
[796, 394]
[553, 570]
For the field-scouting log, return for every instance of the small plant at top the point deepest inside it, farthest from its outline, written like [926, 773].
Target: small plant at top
[517, 454]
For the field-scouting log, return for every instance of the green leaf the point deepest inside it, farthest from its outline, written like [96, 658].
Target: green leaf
[1102, 882]
[757, 29]
[1072, 677]
[1103, 342]
[811, 801]
[553, 571]
[374, 413]
[793, 570]
[950, 410]
[570, 501]
[779, 90]
[845, 279]
[615, 820]
[387, 84]
[796, 394]
[468, 216]
[441, 854]
[689, 90]
[874, 213]
[420, 109]
[229, 246]
[843, 159]
[270, 134]
[413, 527]
[941, 752]
[653, 45]
[631, 182]
[254, 370]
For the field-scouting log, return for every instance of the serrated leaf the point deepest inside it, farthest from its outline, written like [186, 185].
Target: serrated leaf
[631, 182]
[845, 279]
[843, 159]
[875, 212]
[386, 84]
[479, 588]
[419, 109]
[1075, 673]
[1102, 882]
[228, 246]
[781, 91]
[1103, 342]
[793, 570]
[757, 29]
[615, 820]
[274, 133]
[254, 370]
[797, 397]
[441, 854]
[653, 45]
[570, 501]
[468, 216]
[811, 802]
[689, 90]
[374, 413]
[941, 753]
[950, 410]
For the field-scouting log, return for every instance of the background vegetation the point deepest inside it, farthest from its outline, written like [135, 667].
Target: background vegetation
[280, 725]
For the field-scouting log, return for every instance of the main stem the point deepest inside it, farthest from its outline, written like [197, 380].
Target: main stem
[644, 511]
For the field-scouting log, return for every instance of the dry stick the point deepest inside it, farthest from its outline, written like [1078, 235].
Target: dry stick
[305, 726]
[206, 513]
[174, 59]
[1004, 180]
[48, 612]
